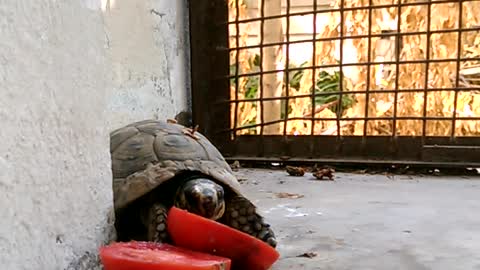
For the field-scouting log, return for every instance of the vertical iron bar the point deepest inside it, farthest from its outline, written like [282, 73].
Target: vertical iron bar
[397, 69]
[314, 61]
[237, 66]
[369, 67]
[457, 71]
[427, 67]
[340, 84]
[287, 65]
[260, 83]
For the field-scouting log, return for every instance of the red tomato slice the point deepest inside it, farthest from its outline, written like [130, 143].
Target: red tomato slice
[197, 233]
[155, 256]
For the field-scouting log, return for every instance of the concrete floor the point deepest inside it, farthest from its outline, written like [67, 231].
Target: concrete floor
[372, 222]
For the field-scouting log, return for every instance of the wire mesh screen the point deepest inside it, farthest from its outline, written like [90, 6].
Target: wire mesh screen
[314, 75]
[396, 75]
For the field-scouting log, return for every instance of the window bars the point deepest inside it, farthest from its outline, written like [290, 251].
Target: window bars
[350, 80]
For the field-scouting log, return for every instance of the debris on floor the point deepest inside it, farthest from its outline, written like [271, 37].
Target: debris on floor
[308, 255]
[324, 172]
[284, 195]
[242, 180]
[338, 221]
[295, 171]
[235, 165]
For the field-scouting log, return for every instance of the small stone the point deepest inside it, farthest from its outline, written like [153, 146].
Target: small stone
[234, 214]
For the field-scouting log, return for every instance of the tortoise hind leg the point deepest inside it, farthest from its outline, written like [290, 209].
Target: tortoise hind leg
[155, 220]
[241, 214]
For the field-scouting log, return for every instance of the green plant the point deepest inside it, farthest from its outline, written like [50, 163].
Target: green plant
[330, 83]
[325, 83]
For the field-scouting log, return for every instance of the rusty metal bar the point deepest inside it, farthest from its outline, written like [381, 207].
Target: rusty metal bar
[405, 4]
[260, 85]
[427, 66]
[457, 69]
[203, 33]
[340, 80]
[369, 69]
[237, 66]
[354, 162]
[385, 91]
[415, 33]
[433, 118]
[438, 150]
[443, 60]
[287, 67]
[397, 69]
[260, 144]
[314, 80]
[209, 76]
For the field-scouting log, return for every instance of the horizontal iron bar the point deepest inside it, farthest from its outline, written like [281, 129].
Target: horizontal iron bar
[369, 91]
[443, 31]
[456, 147]
[401, 62]
[344, 9]
[418, 118]
[346, 161]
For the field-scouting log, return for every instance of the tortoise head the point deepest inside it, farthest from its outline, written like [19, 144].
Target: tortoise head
[203, 197]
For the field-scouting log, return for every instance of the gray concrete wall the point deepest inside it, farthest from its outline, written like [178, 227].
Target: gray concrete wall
[70, 71]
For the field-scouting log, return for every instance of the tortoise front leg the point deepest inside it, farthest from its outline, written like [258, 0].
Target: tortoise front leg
[241, 214]
[156, 223]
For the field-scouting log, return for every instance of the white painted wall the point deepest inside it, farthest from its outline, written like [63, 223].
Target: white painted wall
[70, 72]
[147, 44]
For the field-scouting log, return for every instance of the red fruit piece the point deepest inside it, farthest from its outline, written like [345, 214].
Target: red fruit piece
[155, 256]
[197, 233]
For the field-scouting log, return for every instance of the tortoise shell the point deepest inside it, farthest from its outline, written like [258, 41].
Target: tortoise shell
[148, 153]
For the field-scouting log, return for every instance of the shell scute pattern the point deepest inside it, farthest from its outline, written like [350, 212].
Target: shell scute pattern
[133, 155]
[148, 153]
[175, 146]
[119, 136]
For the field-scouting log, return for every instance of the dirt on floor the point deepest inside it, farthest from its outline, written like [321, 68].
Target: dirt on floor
[370, 221]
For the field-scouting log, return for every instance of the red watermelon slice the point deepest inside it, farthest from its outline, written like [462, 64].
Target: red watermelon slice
[154, 256]
[197, 233]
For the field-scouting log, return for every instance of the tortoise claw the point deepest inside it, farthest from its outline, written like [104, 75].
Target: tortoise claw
[269, 236]
[157, 224]
[241, 214]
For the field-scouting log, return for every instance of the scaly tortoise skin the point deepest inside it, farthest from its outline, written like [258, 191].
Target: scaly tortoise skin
[160, 164]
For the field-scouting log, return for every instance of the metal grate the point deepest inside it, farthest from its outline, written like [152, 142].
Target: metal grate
[409, 94]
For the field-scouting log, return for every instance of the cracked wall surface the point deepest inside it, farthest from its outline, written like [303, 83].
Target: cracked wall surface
[70, 72]
[147, 44]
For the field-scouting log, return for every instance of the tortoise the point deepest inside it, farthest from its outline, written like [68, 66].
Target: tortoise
[159, 164]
